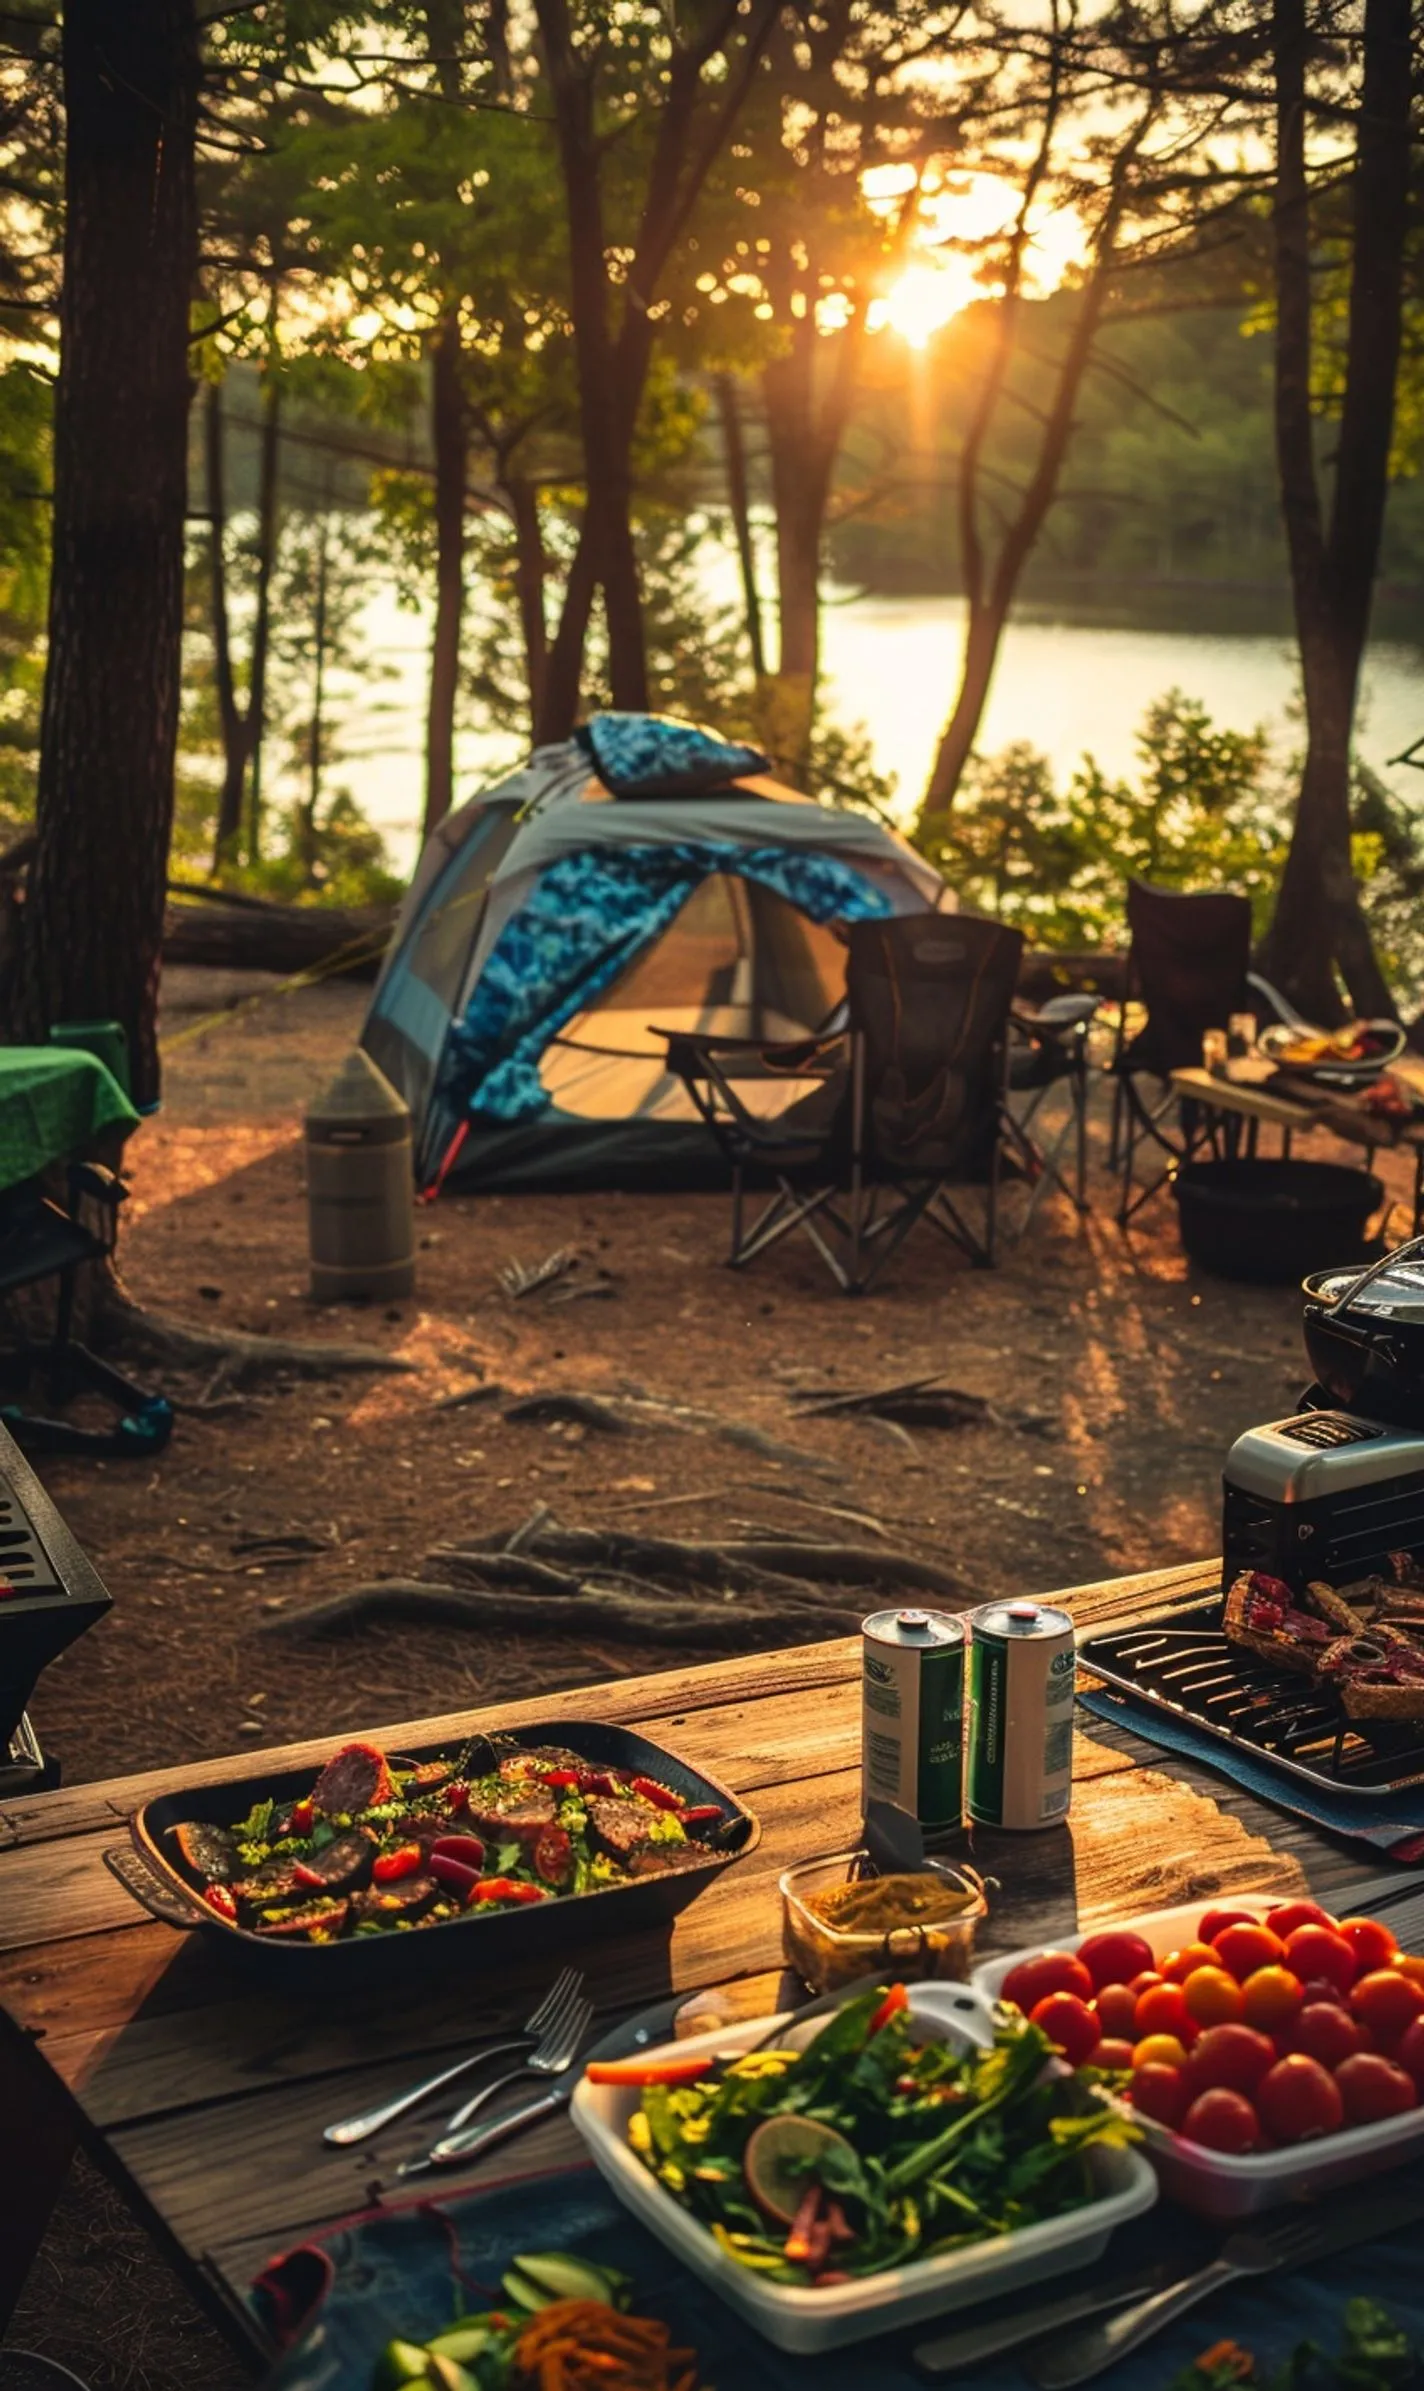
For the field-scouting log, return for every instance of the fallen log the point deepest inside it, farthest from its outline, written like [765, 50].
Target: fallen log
[256, 936]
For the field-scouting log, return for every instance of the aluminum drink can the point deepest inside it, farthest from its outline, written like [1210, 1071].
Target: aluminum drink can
[912, 1714]
[1022, 1680]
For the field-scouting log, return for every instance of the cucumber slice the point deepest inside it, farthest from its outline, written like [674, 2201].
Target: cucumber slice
[560, 2277]
[784, 2155]
[399, 2363]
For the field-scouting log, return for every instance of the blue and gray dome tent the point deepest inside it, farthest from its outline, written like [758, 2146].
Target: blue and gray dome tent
[644, 875]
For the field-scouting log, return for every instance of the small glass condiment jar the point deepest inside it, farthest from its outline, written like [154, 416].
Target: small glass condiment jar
[826, 1951]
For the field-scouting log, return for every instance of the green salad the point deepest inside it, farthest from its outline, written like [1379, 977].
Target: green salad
[868, 2149]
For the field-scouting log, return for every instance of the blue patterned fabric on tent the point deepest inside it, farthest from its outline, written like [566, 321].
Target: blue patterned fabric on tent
[649, 755]
[588, 918]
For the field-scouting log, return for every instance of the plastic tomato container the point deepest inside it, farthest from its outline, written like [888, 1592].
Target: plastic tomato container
[1211, 2181]
[809, 2321]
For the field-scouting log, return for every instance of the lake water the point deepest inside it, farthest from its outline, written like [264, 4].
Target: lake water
[1067, 686]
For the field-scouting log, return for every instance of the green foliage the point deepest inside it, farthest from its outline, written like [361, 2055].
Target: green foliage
[24, 579]
[1207, 810]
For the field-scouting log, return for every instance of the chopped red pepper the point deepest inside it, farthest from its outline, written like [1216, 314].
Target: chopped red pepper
[701, 1814]
[657, 1794]
[389, 1867]
[302, 1818]
[455, 1797]
[895, 2000]
[598, 1780]
[560, 1778]
[797, 2246]
[647, 2071]
[505, 1888]
[312, 1878]
[222, 1901]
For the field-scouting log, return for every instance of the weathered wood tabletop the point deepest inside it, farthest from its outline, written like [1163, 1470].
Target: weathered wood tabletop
[203, 2095]
[1262, 1103]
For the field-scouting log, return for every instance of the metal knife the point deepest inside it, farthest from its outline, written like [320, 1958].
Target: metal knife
[970, 2344]
[1079, 2357]
[639, 2033]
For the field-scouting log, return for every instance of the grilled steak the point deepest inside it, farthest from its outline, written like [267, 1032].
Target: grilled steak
[340, 1867]
[209, 1851]
[410, 1897]
[355, 1779]
[620, 1828]
[518, 1812]
[661, 1859]
[275, 1881]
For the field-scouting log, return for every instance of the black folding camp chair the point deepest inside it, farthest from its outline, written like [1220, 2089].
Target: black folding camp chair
[909, 1097]
[42, 1240]
[1048, 1049]
[1189, 964]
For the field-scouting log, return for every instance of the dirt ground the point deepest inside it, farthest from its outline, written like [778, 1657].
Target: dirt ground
[1118, 1378]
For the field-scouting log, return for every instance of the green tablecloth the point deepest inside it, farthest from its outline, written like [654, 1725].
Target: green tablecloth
[53, 1102]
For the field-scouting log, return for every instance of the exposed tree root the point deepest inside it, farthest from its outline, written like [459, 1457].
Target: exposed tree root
[729, 1625]
[240, 1358]
[744, 1560]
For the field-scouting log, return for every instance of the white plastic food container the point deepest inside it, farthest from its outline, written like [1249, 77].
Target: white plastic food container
[808, 2321]
[1211, 2181]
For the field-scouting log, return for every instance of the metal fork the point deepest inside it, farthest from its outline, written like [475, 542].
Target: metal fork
[566, 1988]
[554, 2057]
[1078, 2357]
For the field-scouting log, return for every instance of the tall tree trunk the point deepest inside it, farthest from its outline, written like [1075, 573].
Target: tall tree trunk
[991, 592]
[1318, 919]
[450, 440]
[317, 738]
[529, 571]
[800, 490]
[94, 913]
[734, 457]
[230, 715]
[269, 457]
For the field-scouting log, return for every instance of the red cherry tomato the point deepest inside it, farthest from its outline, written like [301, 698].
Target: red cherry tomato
[1387, 2003]
[1179, 1965]
[1236, 2056]
[1372, 2087]
[1069, 2023]
[1162, 2009]
[1144, 1980]
[1270, 1998]
[1215, 1922]
[1116, 2007]
[1320, 1951]
[1222, 2120]
[1410, 2053]
[1113, 2051]
[1159, 2092]
[1371, 1941]
[1115, 1957]
[1213, 1998]
[1299, 2098]
[1242, 1950]
[1325, 2031]
[1290, 1914]
[1051, 1971]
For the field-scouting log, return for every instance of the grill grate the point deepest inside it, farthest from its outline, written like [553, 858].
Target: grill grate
[24, 1563]
[1182, 1663]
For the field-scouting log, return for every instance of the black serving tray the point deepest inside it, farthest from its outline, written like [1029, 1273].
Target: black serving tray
[1181, 1662]
[151, 1870]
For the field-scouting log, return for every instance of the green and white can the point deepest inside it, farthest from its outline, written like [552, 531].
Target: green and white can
[912, 1714]
[1022, 1680]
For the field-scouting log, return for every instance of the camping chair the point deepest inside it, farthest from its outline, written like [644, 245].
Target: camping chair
[41, 1240]
[910, 1095]
[1048, 1048]
[1188, 962]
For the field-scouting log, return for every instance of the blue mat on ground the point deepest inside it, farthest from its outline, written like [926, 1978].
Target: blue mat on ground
[1391, 1823]
[410, 2271]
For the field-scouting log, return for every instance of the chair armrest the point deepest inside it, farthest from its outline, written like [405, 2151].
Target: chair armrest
[95, 1179]
[687, 1050]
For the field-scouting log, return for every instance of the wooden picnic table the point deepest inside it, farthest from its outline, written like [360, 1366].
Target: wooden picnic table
[203, 2094]
[1250, 1104]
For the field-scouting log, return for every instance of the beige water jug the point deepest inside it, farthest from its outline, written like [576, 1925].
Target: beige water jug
[360, 1186]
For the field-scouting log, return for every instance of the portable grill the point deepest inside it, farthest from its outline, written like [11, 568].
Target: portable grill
[49, 1593]
[1181, 1662]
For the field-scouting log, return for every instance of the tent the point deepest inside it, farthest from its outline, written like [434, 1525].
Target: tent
[642, 876]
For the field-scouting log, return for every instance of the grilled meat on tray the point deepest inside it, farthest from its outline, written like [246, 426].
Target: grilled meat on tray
[1352, 1643]
[380, 1845]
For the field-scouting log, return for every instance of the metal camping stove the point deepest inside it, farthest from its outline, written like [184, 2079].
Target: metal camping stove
[49, 1593]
